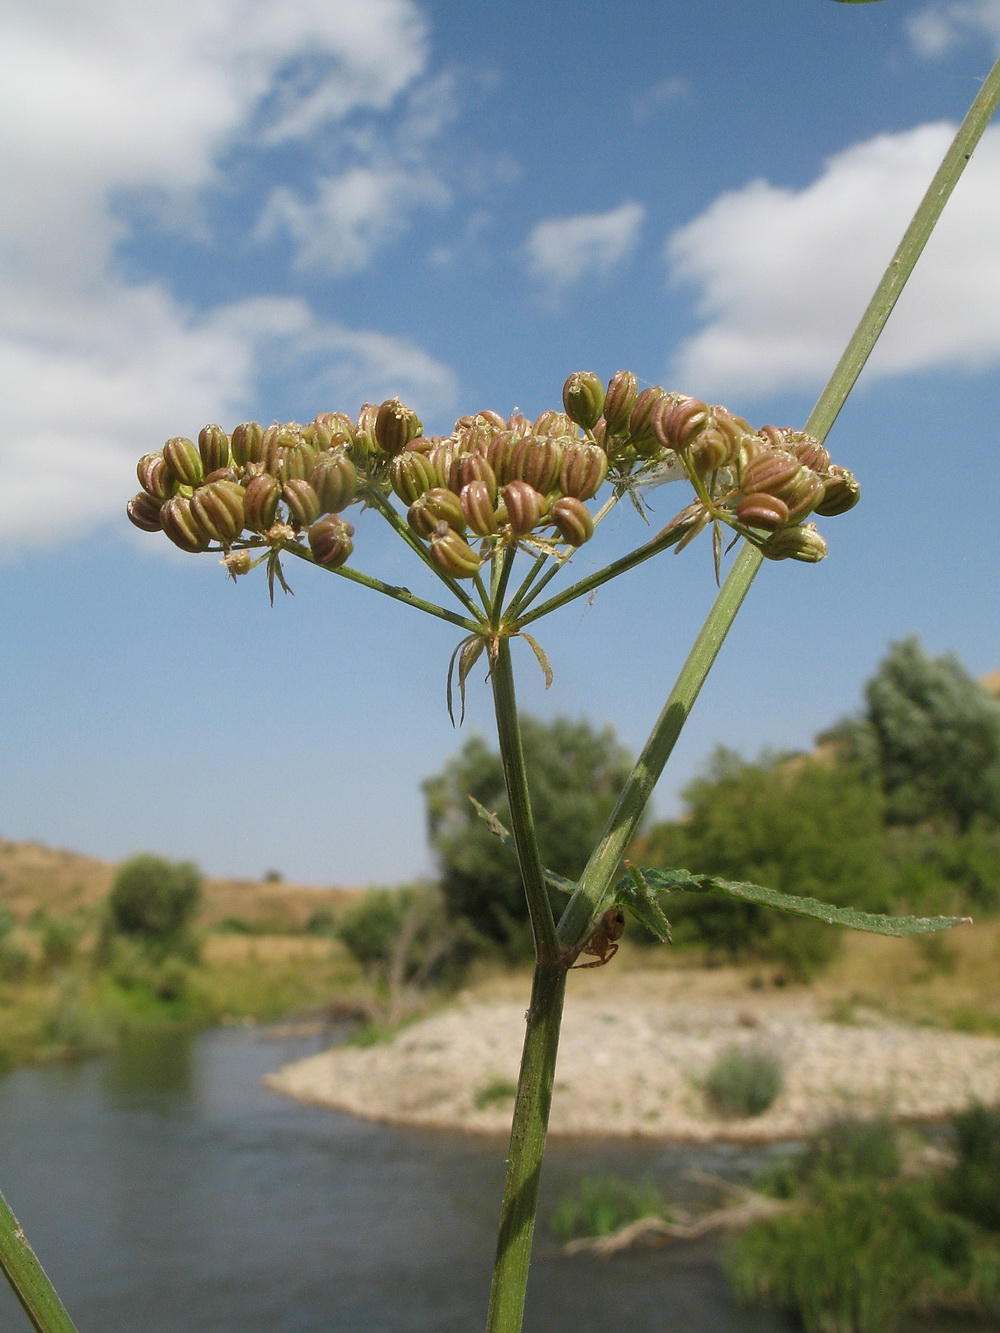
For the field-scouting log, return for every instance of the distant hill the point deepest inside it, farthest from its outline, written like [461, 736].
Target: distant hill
[33, 876]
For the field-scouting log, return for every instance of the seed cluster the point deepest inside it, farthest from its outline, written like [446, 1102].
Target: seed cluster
[493, 481]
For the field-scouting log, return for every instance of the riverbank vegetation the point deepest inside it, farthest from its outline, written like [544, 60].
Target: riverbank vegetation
[879, 1229]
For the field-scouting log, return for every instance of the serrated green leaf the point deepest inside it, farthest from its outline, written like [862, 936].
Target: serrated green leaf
[664, 881]
[635, 894]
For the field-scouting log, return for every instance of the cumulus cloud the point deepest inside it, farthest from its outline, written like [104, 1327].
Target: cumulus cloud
[351, 216]
[104, 100]
[940, 27]
[783, 275]
[562, 251]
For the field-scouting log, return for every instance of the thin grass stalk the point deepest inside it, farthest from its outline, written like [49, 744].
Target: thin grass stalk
[28, 1278]
[579, 918]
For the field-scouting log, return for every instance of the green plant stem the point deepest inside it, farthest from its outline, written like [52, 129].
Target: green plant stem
[659, 543]
[578, 920]
[379, 502]
[541, 1038]
[389, 590]
[527, 1147]
[522, 825]
[872, 322]
[28, 1278]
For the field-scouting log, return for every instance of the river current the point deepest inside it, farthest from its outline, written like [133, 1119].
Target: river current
[166, 1190]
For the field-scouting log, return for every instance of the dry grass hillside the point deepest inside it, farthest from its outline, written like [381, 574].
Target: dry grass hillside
[33, 876]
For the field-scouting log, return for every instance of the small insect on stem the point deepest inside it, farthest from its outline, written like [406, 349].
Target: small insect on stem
[602, 945]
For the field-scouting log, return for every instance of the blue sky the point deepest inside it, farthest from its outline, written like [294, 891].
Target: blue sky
[246, 208]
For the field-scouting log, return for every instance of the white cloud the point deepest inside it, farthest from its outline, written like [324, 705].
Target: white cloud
[108, 98]
[940, 27]
[95, 383]
[352, 216]
[649, 101]
[784, 275]
[561, 251]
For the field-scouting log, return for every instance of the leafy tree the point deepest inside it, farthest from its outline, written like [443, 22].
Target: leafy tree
[154, 902]
[931, 734]
[798, 825]
[575, 774]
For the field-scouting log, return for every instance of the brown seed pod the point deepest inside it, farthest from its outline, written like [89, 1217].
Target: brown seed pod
[573, 520]
[330, 541]
[144, 511]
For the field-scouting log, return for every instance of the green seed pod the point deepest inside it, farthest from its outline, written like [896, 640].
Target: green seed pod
[453, 555]
[442, 455]
[796, 543]
[213, 445]
[330, 541]
[248, 443]
[676, 422]
[184, 461]
[222, 474]
[472, 467]
[181, 526]
[640, 422]
[302, 501]
[803, 497]
[573, 520]
[260, 502]
[473, 434]
[619, 401]
[155, 477]
[395, 426]
[584, 467]
[499, 453]
[479, 508]
[774, 471]
[808, 450]
[298, 461]
[438, 505]
[524, 506]
[330, 429]
[537, 459]
[218, 509]
[144, 511]
[278, 439]
[762, 511]
[554, 423]
[334, 478]
[841, 492]
[364, 432]
[583, 398]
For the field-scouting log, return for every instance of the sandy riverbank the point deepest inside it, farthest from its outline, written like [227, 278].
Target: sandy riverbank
[633, 1055]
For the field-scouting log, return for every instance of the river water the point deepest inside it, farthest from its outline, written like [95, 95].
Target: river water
[166, 1190]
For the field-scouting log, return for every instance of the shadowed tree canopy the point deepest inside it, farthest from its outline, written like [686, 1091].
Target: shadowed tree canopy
[931, 735]
[154, 901]
[799, 825]
[575, 774]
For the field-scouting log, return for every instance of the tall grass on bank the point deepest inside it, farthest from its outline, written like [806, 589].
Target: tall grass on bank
[867, 1244]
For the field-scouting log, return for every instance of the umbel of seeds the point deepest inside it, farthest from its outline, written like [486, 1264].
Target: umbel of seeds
[493, 482]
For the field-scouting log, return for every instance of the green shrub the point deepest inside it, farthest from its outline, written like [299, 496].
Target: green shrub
[497, 1090]
[743, 1081]
[60, 935]
[796, 825]
[154, 901]
[858, 1258]
[861, 1149]
[602, 1204]
[972, 1187]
